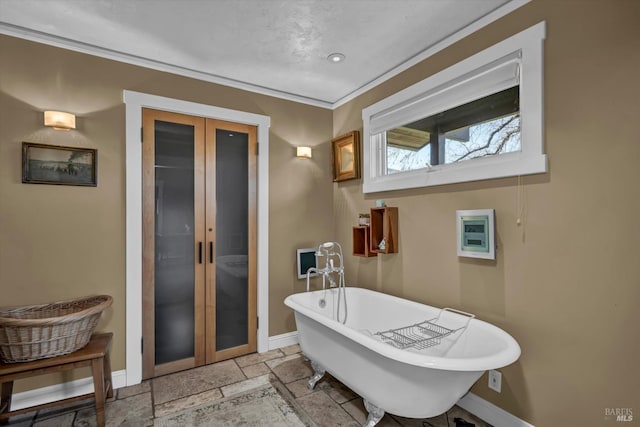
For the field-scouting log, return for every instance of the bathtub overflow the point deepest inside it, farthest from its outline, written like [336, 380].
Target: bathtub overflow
[322, 303]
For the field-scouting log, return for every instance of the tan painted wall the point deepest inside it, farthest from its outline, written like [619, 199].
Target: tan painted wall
[58, 242]
[566, 284]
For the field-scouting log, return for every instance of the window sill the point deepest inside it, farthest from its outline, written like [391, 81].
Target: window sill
[511, 164]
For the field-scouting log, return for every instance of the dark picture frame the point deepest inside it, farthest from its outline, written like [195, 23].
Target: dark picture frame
[59, 165]
[345, 155]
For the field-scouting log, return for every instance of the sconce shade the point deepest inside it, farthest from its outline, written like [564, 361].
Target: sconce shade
[303, 152]
[59, 120]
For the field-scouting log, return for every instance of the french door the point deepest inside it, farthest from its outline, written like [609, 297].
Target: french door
[199, 241]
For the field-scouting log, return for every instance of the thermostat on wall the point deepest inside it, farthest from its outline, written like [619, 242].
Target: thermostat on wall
[476, 233]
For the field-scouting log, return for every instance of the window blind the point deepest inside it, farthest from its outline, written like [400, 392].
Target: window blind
[494, 77]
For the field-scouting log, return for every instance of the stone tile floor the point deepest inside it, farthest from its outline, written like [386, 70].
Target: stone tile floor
[330, 404]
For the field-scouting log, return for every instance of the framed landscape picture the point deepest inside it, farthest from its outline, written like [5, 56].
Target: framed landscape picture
[52, 164]
[346, 156]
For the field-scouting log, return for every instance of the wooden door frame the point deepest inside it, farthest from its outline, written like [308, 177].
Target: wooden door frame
[149, 367]
[134, 102]
[213, 355]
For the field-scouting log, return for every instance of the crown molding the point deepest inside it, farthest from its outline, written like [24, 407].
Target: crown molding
[76, 46]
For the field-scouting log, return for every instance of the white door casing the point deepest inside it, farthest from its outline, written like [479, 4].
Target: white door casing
[134, 102]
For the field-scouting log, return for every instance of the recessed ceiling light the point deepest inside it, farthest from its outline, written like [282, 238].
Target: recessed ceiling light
[336, 57]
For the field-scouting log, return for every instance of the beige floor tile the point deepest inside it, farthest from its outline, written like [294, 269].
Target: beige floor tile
[255, 370]
[252, 359]
[356, 409]
[194, 381]
[246, 385]
[282, 359]
[290, 368]
[299, 388]
[291, 349]
[125, 392]
[187, 402]
[135, 410]
[325, 411]
[336, 390]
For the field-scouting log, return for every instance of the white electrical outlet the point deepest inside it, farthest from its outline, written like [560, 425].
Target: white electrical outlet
[495, 380]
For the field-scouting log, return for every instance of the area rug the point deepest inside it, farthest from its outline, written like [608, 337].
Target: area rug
[269, 405]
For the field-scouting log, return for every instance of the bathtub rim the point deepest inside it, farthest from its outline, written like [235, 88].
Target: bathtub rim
[500, 359]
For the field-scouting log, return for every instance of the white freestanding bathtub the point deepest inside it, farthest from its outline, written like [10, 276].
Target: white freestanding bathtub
[410, 382]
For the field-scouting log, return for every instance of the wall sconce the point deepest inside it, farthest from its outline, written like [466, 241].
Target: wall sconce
[303, 152]
[59, 120]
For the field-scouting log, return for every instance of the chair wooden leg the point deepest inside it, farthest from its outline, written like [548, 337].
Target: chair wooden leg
[5, 399]
[108, 378]
[97, 368]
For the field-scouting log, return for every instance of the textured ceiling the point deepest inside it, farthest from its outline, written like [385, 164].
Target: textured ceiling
[269, 45]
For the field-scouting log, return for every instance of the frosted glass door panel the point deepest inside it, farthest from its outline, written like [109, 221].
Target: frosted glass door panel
[174, 242]
[232, 239]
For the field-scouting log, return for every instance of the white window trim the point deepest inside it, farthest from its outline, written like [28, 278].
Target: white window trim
[528, 44]
[134, 103]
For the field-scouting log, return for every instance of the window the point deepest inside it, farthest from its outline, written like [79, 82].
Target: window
[486, 127]
[479, 119]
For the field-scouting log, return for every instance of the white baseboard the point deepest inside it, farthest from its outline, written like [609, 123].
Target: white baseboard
[283, 340]
[489, 412]
[55, 392]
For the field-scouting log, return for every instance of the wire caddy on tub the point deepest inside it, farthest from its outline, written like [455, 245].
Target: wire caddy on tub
[424, 334]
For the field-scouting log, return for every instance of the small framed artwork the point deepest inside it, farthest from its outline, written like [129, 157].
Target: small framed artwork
[306, 259]
[53, 164]
[345, 154]
[475, 231]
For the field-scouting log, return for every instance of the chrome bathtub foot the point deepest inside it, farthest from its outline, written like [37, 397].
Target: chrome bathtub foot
[318, 373]
[375, 414]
